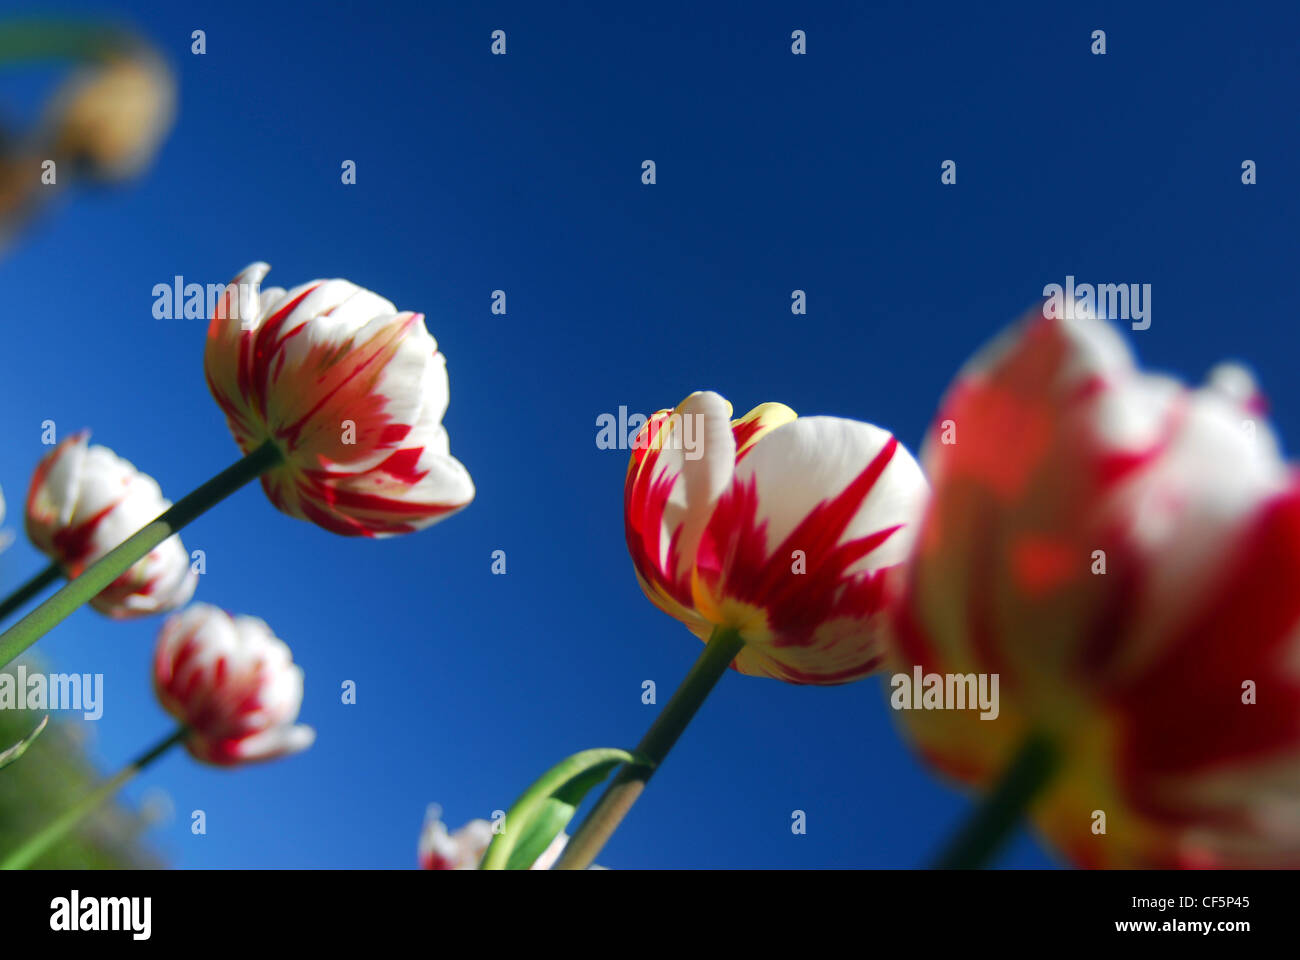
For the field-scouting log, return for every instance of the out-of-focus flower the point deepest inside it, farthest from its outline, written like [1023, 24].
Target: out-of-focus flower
[233, 684]
[442, 850]
[85, 500]
[351, 391]
[1123, 554]
[464, 849]
[779, 527]
[109, 119]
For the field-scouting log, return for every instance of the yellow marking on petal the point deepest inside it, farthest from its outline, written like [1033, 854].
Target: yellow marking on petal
[763, 419]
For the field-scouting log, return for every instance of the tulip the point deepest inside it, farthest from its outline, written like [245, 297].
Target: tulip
[442, 850]
[349, 391]
[1123, 553]
[85, 500]
[105, 122]
[236, 692]
[771, 538]
[779, 528]
[109, 119]
[464, 849]
[232, 684]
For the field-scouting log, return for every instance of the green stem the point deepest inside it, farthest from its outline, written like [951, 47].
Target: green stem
[29, 589]
[631, 779]
[62, 40]
[995, 819]
[58, 828]
[117, 561]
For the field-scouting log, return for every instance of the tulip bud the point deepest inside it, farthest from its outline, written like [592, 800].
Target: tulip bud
[109, 119]
[233, 684]
[351, 391]
[778, 527]
[85, 500]
[464, 849]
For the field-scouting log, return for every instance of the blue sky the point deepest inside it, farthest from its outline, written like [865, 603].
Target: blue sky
[523, 173]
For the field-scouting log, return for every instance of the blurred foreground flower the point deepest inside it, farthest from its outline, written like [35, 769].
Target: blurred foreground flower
[1123, 553]
[350, 391]
[85, 500]
[777, 527]
[233, 685]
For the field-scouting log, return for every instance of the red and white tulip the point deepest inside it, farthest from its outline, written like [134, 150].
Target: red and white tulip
[85, 500]
[779, 527]
[441, 849]
[463, 850]
[350, 390]
[233, 684]
[1124, 553]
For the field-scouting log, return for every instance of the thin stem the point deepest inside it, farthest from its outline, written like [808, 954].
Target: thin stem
[631, 779]
[58, 828]
[118, 560]
[61, 39]
[29, 589]
[995, 819]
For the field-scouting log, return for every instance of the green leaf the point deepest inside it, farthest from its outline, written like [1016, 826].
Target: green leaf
[18, 749]
[546, 808]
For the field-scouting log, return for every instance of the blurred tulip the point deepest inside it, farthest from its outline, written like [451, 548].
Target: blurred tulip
[779, 528]
[464, 849]
[352, 393]
[110, 118]
[85, 500]
[1124, 554]
[232, 684]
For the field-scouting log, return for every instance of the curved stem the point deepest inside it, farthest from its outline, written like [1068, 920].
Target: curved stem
[58, 828]
[117, 561]
[29, 589]
[995, 819]
[631, 779]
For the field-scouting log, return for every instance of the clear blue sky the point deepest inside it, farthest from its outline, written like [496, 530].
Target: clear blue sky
[522, 172]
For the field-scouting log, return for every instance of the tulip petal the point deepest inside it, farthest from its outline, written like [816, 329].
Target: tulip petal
[793, 553]
[681, 464]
